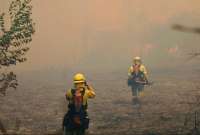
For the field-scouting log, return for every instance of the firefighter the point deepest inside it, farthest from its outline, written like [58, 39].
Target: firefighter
[137, 77]
[77, 98]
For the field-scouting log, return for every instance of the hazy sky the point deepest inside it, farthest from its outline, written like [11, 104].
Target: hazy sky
[109, 33]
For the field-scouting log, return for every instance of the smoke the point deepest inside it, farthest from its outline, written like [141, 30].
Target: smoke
[106, 34]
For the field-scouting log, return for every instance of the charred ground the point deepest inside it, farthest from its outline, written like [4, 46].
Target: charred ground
[168, 107]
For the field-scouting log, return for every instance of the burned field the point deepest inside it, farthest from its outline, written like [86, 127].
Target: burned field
[168, 106]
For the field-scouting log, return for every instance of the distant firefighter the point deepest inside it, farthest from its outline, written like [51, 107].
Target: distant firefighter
[137, 77]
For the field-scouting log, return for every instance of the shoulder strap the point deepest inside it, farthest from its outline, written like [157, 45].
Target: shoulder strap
[83, 92]
[73, 92]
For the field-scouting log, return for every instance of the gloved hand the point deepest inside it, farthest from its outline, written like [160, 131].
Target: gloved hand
[87, 86]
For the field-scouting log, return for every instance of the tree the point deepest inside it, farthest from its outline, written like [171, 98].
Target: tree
[183, 28]
[14, 41]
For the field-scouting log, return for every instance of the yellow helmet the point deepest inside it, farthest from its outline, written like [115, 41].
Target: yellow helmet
[79, 78]
[137, 59]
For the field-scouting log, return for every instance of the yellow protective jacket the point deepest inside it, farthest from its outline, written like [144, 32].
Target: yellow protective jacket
[142, 69]
[89, 93]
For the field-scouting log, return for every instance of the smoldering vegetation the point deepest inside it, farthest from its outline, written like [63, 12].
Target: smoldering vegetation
[168, 107]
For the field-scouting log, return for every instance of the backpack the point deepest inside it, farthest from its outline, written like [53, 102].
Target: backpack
[137, 75]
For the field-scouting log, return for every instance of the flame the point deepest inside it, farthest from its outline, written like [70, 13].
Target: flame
[173, 50]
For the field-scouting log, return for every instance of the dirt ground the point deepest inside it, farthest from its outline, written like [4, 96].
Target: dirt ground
[38, 105]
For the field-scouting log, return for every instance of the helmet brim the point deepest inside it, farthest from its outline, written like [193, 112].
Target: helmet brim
[78, 82]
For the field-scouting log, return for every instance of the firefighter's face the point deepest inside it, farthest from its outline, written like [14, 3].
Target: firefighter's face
[80, 85]
[137, 62]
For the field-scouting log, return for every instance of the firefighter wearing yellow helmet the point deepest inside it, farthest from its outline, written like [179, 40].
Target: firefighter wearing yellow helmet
[137, 77]
[77, 98]
[137, 62]
[81, 84]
